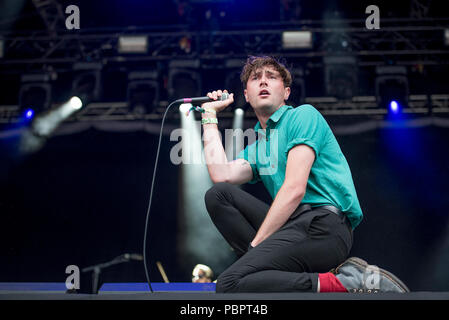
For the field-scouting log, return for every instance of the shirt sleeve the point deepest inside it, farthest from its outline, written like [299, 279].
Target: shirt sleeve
[249, 154]
[307, 126]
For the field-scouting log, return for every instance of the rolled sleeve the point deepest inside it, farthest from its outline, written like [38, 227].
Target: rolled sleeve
[298, 141]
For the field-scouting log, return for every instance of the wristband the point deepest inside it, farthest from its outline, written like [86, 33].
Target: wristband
[209, 120]
[201, 110]
[210, 111]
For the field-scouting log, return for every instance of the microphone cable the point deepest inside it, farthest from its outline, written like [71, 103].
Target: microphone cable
[151, 196]
[224, 96]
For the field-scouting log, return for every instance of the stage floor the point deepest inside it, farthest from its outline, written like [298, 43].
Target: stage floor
[187, 291]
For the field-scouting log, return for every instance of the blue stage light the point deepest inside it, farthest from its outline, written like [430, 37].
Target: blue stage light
[29, 113]
[394, 106]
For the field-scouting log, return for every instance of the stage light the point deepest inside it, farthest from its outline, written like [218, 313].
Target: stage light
[76, 103]
[341, 75]
[184, 107]
[183, 79]
[45, 124]
[35, 93]
[29, 113]
[132, 44]
[87, 81]
[296, 39]
[392, 88]
[239, 112]
[446, 37]
[142, 92]
[394, 106]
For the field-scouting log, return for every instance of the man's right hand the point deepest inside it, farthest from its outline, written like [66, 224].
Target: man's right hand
[218, 105]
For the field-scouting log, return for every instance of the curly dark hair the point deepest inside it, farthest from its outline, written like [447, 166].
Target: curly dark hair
[256, 62]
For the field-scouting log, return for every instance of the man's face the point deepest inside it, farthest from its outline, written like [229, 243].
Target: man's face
[265, 89]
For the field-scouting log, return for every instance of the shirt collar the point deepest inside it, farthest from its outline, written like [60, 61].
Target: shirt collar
[274, 117]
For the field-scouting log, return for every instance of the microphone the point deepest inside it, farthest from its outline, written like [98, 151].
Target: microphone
[200, 100]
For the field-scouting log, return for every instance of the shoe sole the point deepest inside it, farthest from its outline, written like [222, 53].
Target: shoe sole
[363, 265]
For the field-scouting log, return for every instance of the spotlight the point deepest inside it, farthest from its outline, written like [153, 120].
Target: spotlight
[341, 76]
[394, 106]
[29, 113]
[87, 81]
[142, 92]
[132, 44]
[183, 79]
[76, 103]
[34, 94]
[296, 39]
[392, 89]
[46, 123]
[239, 112]
[184, 107]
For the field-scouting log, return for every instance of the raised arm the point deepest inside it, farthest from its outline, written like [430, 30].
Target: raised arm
[220, 169]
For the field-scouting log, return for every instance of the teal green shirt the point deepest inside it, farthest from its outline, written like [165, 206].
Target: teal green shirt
[330, 180]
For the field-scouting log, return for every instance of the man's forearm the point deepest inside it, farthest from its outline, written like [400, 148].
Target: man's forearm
[214, 152]
[287, 200]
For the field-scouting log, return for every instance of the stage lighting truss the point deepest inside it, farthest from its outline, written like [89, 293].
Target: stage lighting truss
[409, 41]
[363, 106]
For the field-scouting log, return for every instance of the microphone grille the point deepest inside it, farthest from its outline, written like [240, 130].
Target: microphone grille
[224, 96]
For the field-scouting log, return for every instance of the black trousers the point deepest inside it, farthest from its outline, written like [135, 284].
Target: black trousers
[290, 259]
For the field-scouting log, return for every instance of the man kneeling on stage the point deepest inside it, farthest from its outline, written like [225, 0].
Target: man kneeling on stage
[308, 230]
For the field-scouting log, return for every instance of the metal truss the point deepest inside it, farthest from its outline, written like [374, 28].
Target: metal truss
[419, 8]
[365, 106]
[51, 13]
[406, 41]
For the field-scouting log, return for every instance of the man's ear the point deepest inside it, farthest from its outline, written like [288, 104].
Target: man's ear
[246, 95]
[286, 93]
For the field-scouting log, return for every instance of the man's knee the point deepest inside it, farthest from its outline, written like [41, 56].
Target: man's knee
[215, 194]
[226, 283]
